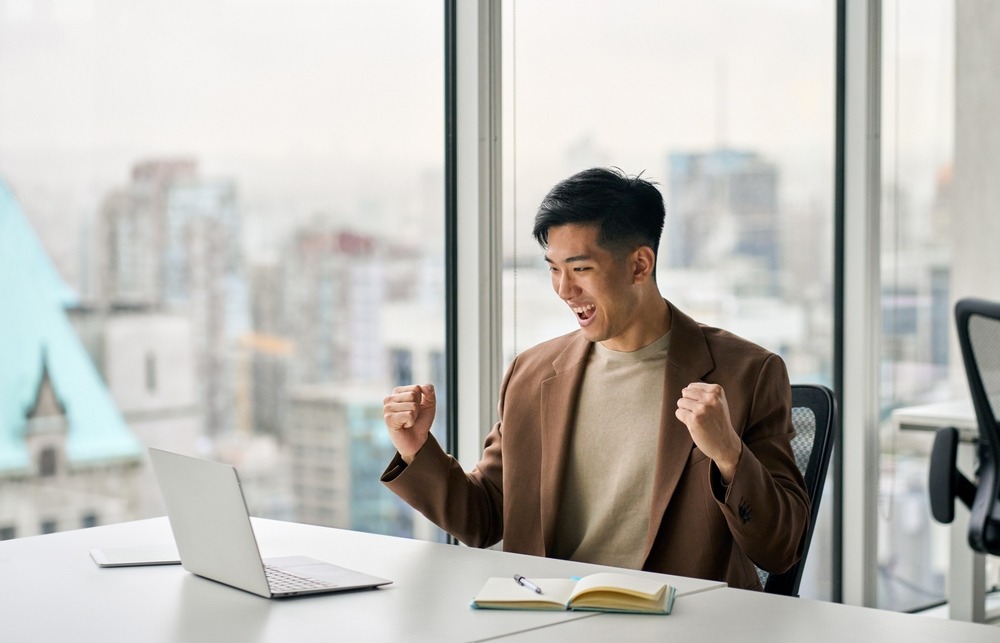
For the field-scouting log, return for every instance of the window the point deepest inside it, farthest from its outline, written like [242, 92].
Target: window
[402, 367]
[937, 247]
[47, 460]
[729, 107]
[224, 199]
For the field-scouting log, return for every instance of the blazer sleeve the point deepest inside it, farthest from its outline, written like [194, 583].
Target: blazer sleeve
[766, 504]
[467, 505]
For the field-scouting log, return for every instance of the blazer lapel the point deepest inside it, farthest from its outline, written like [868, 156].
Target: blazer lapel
[560, 394]
[688, 360]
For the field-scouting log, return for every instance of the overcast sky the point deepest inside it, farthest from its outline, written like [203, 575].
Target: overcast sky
[323, 104]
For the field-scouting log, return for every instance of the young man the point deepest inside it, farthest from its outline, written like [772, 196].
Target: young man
[643, 439]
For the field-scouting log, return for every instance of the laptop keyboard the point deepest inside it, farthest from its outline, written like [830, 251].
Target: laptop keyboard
[281, 581]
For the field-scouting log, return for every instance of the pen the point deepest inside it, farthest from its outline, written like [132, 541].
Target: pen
[524, 582]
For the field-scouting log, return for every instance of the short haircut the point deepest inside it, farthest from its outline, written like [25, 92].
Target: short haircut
[627, 210]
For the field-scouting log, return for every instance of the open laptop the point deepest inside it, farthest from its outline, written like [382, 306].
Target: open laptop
[208, 515]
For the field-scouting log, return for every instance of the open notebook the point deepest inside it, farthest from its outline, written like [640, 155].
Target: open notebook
[600, 592]
[208, 516]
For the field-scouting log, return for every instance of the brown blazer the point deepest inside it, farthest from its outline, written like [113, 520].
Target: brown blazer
[698, 527]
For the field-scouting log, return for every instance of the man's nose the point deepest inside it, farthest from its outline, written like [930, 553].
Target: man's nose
[566, 287]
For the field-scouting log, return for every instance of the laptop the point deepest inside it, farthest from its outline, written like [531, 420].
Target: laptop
[208, 515]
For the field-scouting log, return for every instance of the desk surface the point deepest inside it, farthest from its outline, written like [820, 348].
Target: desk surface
[740, 615]
[52, 591]
[429, 600]
[931, 417]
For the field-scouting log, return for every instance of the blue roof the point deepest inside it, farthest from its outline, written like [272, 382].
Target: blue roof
[34, 328]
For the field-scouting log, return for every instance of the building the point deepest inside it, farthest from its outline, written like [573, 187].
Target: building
[132, 231]
[338, 448]
[67, 458]
[723, 205]
[148, 364]
[169, 241]
[334, 286]
[203, 277]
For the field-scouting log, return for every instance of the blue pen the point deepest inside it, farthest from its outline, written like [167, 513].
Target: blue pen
[524, 582]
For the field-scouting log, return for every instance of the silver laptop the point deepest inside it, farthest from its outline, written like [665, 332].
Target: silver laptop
[211, 525]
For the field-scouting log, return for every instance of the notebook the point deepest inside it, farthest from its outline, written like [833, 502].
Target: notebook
[211, 525]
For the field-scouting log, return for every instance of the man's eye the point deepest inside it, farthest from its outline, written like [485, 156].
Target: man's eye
[581, 268]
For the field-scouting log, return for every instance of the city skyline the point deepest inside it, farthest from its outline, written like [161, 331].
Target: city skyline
[305, 131]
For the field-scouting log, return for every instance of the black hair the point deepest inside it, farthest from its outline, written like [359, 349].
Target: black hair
[627, 210]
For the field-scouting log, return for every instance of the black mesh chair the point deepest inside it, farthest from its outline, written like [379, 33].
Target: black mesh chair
[978, 324]
[814, 416]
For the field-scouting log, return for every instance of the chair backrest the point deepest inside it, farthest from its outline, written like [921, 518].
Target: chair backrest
[978, 325]
[814, 417]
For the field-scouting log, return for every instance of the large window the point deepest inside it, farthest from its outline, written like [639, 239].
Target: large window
[917, 322]
[729, 107]
[221, 232]
[939, 160]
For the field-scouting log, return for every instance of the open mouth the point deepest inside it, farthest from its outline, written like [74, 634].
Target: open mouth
[585, 313]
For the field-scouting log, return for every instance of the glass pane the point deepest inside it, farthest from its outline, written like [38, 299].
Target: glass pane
[917, 327]
[729, 107]
[221, 233]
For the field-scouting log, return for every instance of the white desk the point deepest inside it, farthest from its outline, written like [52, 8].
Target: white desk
[52, 591]
[931, 417]
[741, 615]
[966, 568]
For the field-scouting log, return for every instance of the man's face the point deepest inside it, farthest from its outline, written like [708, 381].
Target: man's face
[594, 283]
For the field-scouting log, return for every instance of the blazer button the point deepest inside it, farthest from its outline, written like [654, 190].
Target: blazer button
[744, 512]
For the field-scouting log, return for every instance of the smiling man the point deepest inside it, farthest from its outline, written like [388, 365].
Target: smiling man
[642, 440]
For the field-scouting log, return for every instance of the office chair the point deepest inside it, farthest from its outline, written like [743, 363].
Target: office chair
[978, 324]
[814, 416]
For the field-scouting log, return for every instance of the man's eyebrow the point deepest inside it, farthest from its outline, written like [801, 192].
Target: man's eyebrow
[571, 259]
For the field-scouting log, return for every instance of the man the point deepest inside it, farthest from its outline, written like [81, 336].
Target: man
[643, 439]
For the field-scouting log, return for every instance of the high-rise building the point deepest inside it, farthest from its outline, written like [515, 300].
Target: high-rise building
[722, 207]
[203, 277]
[334, 289]
[339, 447]
[264, 354]
[132, 229]
[170, 241]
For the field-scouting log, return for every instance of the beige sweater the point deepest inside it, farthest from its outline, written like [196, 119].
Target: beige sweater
[604, 512]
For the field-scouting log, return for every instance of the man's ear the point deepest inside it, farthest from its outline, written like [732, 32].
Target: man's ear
[644, 263]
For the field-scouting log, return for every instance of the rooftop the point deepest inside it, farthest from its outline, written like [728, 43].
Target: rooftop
[35, 335]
